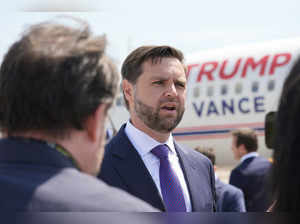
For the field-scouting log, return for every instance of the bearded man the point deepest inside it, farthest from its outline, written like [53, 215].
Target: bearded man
[143, 158]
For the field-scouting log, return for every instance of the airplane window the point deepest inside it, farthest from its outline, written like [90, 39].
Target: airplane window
[210, 91]
[271, 85]
[224, 89]
[255, 86]
[196, 91]
[238, 88]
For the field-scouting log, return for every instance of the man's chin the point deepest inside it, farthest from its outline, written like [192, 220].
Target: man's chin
[167, 128]
[165, 131]
[168, 113]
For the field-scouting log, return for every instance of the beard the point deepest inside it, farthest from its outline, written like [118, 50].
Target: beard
[151, 117]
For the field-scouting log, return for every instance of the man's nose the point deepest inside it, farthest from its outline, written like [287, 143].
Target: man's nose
[171, 90]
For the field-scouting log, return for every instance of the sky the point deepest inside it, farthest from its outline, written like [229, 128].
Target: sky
[190, 25]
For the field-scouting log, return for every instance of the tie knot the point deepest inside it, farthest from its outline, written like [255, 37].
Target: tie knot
[161, 151]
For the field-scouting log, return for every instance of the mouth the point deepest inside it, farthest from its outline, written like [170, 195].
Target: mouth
[169, 107]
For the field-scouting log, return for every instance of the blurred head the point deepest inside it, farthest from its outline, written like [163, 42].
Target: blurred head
[154, 87]
[54, 80]
[208, 152]
[243, 141]
[286, 172]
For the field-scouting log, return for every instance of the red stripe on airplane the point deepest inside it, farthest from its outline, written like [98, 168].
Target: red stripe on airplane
[217, 127]
[209, 136]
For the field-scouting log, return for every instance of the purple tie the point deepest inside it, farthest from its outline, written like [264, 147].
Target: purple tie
[169, 182]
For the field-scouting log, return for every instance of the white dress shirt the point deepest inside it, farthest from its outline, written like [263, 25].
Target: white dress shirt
[248, 155]
[144, 144]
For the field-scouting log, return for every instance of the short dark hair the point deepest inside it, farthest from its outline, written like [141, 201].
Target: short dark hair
[54, 78]
[247, 137]
[208, 152]
[132, 66]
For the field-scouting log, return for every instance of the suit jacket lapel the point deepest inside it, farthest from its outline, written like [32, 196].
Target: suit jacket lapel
[133, 172]
[191, 177]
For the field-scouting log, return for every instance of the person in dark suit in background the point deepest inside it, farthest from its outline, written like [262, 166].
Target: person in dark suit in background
[229, 197]
[56, 85]
[143, 158]
[252, 173]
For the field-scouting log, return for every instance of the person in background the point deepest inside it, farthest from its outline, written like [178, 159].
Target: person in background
[252, 173]
[229, 197]
[143, 158]
[56, 85]
[109, 135]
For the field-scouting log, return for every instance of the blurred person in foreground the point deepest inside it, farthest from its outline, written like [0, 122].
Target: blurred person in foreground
[143, 158]
[56, 85]
[286, 156]
[229, 198]
[252, 173]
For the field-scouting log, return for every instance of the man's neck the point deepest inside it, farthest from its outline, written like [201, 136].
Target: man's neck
[248, 155]
[33, 135]
[158, 136]
[70, 144]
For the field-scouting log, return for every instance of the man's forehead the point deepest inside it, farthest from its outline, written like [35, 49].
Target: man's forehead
[167, 66]
[160, 60]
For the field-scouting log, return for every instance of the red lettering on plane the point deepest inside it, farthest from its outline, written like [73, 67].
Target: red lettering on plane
[275, 63]
[189, 67]
[207, 71]
[229, 76]
[250, 62]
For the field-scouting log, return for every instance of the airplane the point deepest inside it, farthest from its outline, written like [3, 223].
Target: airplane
[229, 88]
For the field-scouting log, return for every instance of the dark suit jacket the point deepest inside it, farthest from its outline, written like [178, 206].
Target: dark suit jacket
[251, 177]
[229, 198]
[35, 177]
[122, 167]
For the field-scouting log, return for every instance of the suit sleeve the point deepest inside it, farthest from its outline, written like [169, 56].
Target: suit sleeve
[237, 202]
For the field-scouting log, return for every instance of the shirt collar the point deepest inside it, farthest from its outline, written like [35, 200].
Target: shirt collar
[216, 176]
[143, 142]
[248, 155]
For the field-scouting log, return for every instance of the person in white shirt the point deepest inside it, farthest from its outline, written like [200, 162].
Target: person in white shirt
[154, 87]
[251, 174]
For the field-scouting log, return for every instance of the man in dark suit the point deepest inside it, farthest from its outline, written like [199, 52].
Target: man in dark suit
[251, 174]
[56, 85]
[143, 157]
[229, 197]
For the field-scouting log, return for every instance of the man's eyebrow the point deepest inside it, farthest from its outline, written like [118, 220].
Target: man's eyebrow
[158, 78]
[181, 80]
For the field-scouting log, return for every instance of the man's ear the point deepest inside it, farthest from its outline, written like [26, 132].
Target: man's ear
[96, 122]
[242, 149]
[127, 90]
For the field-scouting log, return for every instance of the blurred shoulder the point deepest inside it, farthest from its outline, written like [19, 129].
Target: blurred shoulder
[95, 195]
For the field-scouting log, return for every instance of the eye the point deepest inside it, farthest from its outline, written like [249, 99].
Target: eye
[159, 82]
[180, 84]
